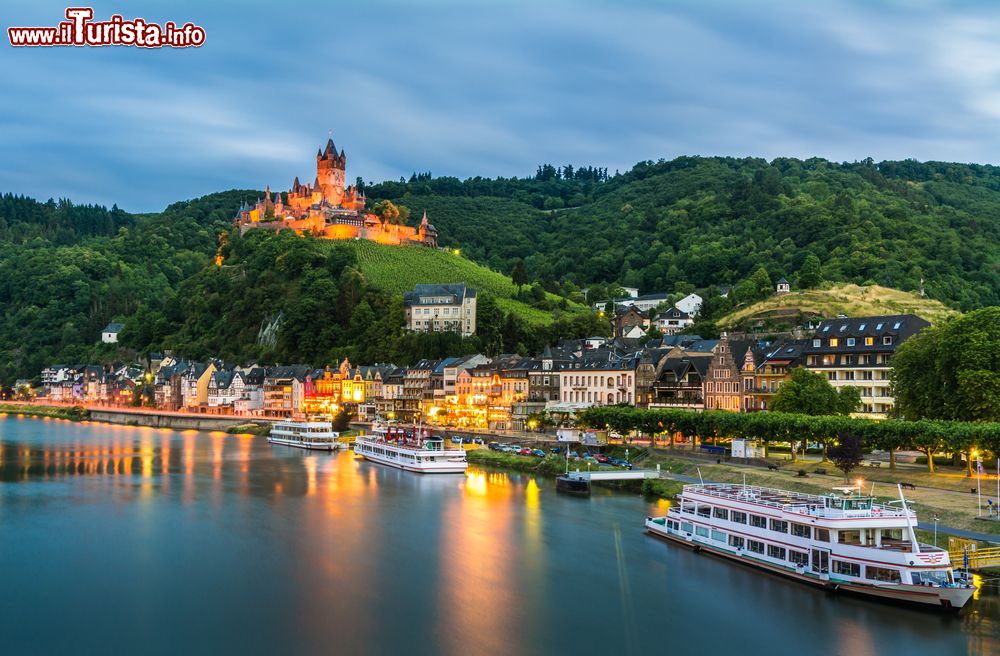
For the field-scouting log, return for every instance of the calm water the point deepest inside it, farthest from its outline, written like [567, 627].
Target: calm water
[133, 540]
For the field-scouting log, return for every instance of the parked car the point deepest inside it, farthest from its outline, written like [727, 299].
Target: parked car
[601, 458]
[494, 446]
[574, 455]
[556, 450]
[539, 453]
[525, 451]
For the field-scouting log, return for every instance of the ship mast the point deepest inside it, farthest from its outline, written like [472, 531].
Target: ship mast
[909, 525]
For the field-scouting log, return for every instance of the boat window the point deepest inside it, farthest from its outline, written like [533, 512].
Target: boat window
[701, 530]
[756, 547]
[892, 534]
[720, 513]
[845, 568]
[718, 536]
[686, 527]
[779, 525]
[883, 574]
[822, 535]
[736, 541]
[849, 537]
[800, 530]
[738, 517]
[798, 557]
[929, 578]
[704, 511]
[776, 552]
[758, 521]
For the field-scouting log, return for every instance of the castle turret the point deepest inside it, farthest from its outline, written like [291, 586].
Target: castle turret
[330, 167]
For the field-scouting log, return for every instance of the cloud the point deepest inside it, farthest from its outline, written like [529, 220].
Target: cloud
[491, 89]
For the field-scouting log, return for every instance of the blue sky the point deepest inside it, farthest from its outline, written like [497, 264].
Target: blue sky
[488, 88]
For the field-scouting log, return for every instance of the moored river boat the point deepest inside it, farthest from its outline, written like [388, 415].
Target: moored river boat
[848, 543]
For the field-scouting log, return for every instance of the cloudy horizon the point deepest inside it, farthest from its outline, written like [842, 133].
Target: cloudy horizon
[489, 89]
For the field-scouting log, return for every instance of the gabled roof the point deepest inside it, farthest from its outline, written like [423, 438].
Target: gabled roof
[113, 328]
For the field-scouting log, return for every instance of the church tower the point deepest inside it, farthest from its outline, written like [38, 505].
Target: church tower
[330, 173]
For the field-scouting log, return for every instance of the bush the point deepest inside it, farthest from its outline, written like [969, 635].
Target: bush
[802, 473]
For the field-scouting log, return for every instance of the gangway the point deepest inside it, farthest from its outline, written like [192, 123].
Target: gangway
[978, 559]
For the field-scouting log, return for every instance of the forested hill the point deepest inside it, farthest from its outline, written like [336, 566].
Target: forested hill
[690, 223]
[695, 222]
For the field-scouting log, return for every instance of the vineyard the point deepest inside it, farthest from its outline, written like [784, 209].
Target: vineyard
[398, 269]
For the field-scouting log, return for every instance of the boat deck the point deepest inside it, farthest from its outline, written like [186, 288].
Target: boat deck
[800, 502]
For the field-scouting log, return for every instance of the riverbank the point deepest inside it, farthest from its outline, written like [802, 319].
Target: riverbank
[553, 465]
[73, 413]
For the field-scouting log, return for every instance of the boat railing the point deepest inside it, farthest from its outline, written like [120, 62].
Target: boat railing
[809, 504]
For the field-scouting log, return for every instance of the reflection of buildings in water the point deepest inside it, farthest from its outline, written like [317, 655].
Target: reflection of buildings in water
[478, 590]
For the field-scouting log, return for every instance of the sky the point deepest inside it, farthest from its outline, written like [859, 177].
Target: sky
[484, 88]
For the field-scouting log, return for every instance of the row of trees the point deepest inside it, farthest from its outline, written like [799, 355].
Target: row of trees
[930, 437]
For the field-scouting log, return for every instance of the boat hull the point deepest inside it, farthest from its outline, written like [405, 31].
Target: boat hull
[304, 445]
[575, 486]
[925, 596]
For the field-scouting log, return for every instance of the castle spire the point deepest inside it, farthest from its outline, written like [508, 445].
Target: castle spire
[331, 148]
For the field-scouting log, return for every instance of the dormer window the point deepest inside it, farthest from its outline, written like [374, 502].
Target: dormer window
[816, 343]
[869, 341]
[887, 340]
[834, 341]
[850, 341]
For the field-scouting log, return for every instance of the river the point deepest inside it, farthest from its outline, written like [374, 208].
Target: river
[119, 539]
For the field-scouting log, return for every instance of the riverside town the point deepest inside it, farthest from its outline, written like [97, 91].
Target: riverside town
[585, 332]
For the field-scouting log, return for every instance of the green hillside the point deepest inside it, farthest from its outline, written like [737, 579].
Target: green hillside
[697, 222]
[398, 269]
[851, 300]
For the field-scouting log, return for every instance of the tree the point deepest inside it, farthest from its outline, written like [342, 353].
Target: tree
[847, 454]
[810, 393]
[387, 211]
[951, 371]
[519, 276]
[810, 274]
[342, 420]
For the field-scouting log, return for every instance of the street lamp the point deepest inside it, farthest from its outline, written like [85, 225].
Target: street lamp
[936, 520]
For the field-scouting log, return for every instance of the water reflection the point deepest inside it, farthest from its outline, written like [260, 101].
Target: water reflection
[300, 551]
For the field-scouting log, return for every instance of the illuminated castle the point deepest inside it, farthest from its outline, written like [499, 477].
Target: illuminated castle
[327, 208]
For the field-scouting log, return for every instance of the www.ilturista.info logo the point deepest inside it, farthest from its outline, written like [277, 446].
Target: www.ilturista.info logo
[80, 30]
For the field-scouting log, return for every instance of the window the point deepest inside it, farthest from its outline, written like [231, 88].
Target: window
[896, 325]
[822, 535]
[834, 341]
[887, 340]
[738, 517]
[756, 547]
[845, 568]
[701, 530]
[735, 541]
[862, 326]
[798, 557]
[816, 343]
[758, 521]
[686, 527]
[800, 530]
[882, 574]
[869, 341]
[879, 326]
[718, 536]
[721, 513]
[850, 341]
[704, 511]
[779, 525]
[776, 552]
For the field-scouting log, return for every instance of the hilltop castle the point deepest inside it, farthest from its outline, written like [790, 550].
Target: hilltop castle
[327, 208]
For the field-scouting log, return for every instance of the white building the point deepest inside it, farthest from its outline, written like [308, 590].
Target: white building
[441, 308]
[673, 321]
[690, 304]
[110, 333]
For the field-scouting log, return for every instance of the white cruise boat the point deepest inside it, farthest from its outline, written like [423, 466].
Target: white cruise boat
[845, 543]
[306, 434]
[425, 455]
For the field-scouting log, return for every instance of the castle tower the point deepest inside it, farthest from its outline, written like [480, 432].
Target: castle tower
[330, 167]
